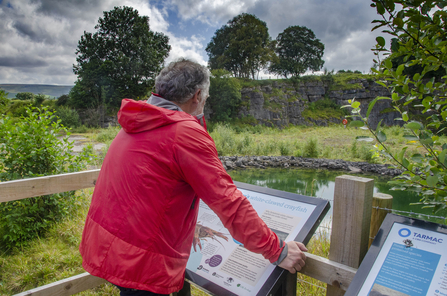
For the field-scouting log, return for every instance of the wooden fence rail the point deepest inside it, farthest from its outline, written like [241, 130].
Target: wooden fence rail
[355, 190]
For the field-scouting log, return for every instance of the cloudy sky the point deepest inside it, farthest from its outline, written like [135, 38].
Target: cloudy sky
[38, 38]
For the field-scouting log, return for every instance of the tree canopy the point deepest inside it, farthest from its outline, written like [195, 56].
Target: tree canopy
[241, 46]
[297, 50]
[24, 96]
[225, 95]
[120, 60]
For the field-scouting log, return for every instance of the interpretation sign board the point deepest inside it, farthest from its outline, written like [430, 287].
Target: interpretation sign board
[224, 267]
[407, 257]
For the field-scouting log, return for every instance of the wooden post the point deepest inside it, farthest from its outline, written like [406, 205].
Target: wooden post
[350, 223]
[380, 202]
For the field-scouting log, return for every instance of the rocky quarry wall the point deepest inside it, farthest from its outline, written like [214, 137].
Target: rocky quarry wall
[282, 103]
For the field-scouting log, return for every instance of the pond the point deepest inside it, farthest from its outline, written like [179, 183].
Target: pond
[320, 183]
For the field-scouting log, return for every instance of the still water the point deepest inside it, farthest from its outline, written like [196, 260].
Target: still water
[320, 183]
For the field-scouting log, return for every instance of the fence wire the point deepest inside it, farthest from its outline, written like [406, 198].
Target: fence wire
[410, 213]
[321, 287]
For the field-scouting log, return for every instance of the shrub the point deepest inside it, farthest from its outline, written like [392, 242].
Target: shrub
[225, 95]
[311, 148]
[25, 96]
[32, 147]
[68, 117]
[38, 100]
[284, 149]
[18, 108]
[224, 137]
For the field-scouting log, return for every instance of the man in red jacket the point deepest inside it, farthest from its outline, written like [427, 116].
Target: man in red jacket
[140, 225]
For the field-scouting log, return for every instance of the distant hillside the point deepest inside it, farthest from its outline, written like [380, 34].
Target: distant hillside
[49, 90]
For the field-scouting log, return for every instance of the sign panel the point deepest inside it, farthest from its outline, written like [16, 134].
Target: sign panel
[408, 257]
[223, 266]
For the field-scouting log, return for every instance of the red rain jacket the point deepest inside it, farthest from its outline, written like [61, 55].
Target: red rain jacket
[140, 226]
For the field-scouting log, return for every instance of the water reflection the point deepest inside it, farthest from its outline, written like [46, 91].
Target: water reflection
[320, 183]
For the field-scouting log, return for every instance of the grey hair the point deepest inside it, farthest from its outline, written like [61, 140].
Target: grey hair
[179, 81]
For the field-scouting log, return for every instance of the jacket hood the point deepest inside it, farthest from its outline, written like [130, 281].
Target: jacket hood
[139, 116]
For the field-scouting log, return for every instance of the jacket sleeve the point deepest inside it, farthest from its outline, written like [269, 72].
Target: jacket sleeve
[197, 163]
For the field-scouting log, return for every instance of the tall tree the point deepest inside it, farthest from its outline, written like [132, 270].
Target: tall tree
[241, 46]
[298, 50]
[120, 60]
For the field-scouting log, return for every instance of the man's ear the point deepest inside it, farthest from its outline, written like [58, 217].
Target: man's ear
[197, 94]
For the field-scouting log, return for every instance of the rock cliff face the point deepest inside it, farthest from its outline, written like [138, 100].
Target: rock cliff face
[282, 103]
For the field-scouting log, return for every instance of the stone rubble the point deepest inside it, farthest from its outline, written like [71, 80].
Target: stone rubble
[240, 162]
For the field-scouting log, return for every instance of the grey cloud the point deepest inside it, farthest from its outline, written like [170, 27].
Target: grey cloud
[73, 9]
[22, 61]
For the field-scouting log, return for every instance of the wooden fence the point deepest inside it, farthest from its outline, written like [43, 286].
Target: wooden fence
[352, 208]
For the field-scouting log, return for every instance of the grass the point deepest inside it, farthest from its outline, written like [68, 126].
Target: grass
[333, 142]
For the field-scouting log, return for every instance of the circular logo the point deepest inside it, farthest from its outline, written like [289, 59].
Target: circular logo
[215, 260]
[404, 232]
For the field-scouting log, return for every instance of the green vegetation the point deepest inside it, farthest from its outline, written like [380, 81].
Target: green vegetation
[225, 96]
[333, 142]
[419, 39]
[242, 46]
[31, 147]
[297, 51]
[109, 71]
[52, 91]
[324, 109]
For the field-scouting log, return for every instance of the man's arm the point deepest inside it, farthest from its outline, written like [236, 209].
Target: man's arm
[199, 165]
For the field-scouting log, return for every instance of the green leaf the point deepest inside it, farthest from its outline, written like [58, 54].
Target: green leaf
[388, 63]
[432, 180]
[418, 158]
[414, 125]
[400, 69]
[441, 156]
[380, 8]
[381, 136]
[355, 105]
[398, 22]
[405, 116]
[373, 102]
[356, 123]
[405, 162]
[381, 41]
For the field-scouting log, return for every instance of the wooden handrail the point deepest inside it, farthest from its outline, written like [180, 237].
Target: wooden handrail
[329, 272]
[70, 286]
[25, 188]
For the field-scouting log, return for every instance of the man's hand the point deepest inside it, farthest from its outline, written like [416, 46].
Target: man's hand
[295, 259]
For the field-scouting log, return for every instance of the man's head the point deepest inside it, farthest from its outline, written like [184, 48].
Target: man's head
[183, 80]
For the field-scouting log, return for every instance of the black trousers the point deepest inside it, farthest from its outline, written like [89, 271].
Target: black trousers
[135, 292]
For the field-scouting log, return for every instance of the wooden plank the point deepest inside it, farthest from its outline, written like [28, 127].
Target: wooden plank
[66, 287]
[351, 220]
[329, 272]
[20, 189]
[380, 201]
